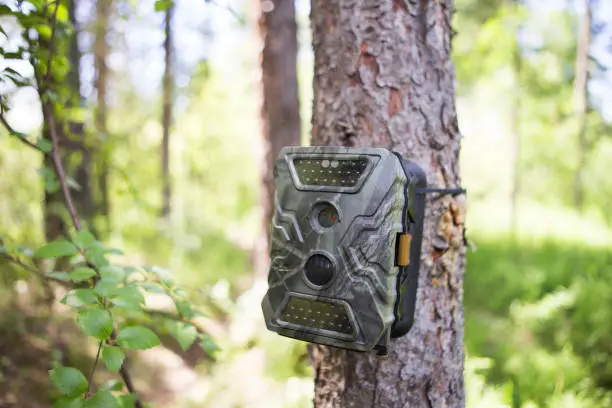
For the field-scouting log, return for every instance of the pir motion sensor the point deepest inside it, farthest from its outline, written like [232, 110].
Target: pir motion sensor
[346, 239]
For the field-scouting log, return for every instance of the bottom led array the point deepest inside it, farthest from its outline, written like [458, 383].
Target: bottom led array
[317, 314]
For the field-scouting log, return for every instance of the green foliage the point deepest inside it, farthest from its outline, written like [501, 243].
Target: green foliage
[112, 357]
[137, 338]
[96, 322]
[184, 333]
[70, 381]
[542, 328]
[163, 5]
[56, 249]
[81, 273]
[102, 399]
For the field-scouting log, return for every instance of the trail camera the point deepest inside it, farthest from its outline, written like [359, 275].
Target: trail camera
[345, 246]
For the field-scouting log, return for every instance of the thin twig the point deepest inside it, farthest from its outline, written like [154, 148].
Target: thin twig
[171, 316]
[128, 383]
[93, 368]
[13, 132]
[33, 270]
[59, 169]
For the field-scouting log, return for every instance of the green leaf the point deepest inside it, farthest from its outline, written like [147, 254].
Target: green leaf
[128, 297]
[44, 145]
[44, 31]
[137, 338]
[6, 11]
[113, 251]
[113, 273]
[127, 400]
[52, 186]
[96, 322]
[208, 345]
[113, 358]
[80, 298]
[183, 307]
[62, 13]
[84, 239]
[73, 184]
[81, 273]
[69, 381]
[163, 5]
[56, 249]
[105, 287]
[184, 333]
[62, 276]
[102, 399]
[164, 275]
[95, 254]
[112, 385]
[69, 402]
[152, 288]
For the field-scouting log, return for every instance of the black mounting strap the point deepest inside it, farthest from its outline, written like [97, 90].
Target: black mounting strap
[452, 191]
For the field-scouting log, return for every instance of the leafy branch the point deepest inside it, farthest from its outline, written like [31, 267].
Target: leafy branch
[99, 292]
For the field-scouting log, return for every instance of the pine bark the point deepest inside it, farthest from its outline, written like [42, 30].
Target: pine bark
[383, 77]
[167, 115]
[581, 83]
[280, 112]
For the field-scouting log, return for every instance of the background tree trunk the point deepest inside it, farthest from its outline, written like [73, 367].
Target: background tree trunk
[280, 113]
[581, 83]
[383, 77]
[75, 153]
[167, 115]
[103, 9]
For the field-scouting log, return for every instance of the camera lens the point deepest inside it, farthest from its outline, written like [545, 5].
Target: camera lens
[319, 269]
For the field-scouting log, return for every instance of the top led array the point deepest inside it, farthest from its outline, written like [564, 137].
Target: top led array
[329, 172]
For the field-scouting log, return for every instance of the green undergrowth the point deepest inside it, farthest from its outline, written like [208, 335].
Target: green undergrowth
[538, 310]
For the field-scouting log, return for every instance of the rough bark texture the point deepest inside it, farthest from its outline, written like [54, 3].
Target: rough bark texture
[103, 8]
[383, 77]
[167, 115]
[581, 82]
[280, 111]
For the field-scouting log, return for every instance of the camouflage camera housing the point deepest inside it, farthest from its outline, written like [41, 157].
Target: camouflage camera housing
[345, 246]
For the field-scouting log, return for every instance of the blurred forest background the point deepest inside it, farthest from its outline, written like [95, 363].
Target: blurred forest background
[173, 177]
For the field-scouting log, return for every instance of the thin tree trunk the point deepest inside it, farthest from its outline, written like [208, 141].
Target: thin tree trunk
[515, 112]
[383, 77]
[280, 113]
[581, 83]
[103, 9]
[73, 144]
[82, 171]
[167, 115]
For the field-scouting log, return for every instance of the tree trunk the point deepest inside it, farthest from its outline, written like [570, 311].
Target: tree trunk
[103, 8]
[167, 115]
[383, 77]
[82, 169]
[515, 112]
[581, 83]
[74, 152]
[280, 113]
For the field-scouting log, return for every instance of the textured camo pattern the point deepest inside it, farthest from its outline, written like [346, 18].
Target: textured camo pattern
[361, 244]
